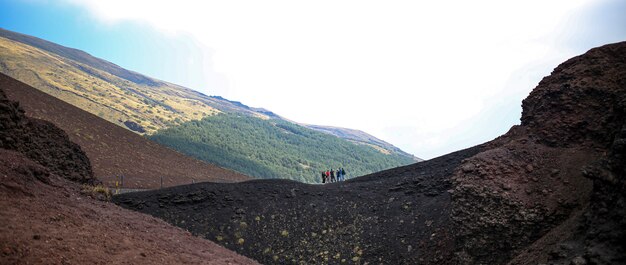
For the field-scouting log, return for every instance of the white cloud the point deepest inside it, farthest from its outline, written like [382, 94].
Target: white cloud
[427, 69]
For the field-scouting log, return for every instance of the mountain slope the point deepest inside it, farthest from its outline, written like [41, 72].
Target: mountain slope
[147, 106]
[550, 191]
[361, 137]
[131, 105]
[79, 56]
[52, 221]
[50, 214]
[112, 150]
[273, 148]
[124, 97]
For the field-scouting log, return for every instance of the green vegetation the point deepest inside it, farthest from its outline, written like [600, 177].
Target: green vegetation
[272, 148]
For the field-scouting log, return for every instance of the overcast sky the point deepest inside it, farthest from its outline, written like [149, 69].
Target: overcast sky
[430, 77]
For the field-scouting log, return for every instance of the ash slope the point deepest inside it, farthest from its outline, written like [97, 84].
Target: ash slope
[47, 217]
[278, 222]
[112, 150]
[49, 220]
[42, 142]
[549, 191]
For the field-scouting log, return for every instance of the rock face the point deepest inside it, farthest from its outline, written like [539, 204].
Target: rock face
[589, 93]
[42, 142]
[581, 102]
[551, 190]
[564, 161]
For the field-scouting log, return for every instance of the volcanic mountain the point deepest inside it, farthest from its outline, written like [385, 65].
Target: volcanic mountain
[113, 151]
[150, 107]
[48, 217]
[550, 190]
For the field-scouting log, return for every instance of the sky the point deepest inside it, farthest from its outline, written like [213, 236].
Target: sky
[430, 77]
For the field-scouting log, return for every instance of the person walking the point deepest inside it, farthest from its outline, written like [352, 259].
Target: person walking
[327, 176]
[332, 175]
[323, 177]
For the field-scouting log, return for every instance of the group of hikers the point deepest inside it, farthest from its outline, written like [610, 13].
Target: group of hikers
[333, 176]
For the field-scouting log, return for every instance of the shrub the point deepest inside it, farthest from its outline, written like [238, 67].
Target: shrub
[98, 192]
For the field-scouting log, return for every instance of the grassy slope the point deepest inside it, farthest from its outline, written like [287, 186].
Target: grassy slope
[108, 96]
[273, 148]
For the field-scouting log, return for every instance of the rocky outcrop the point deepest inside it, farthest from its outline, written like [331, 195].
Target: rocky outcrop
[42, 142]
[581, 102]
[563, 165]
[603, 232]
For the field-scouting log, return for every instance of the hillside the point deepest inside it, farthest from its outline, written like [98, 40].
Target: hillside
[136, 106]
[48, 217]
[126, 98]
[49, 220]
[273, 148]
[112, 150]
[360, 137]
[550, 191]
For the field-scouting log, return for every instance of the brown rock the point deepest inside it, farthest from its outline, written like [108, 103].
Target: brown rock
[467, 168]
[529, 168]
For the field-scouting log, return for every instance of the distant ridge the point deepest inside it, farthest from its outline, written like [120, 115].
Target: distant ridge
[360, 137]
[79, 56]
